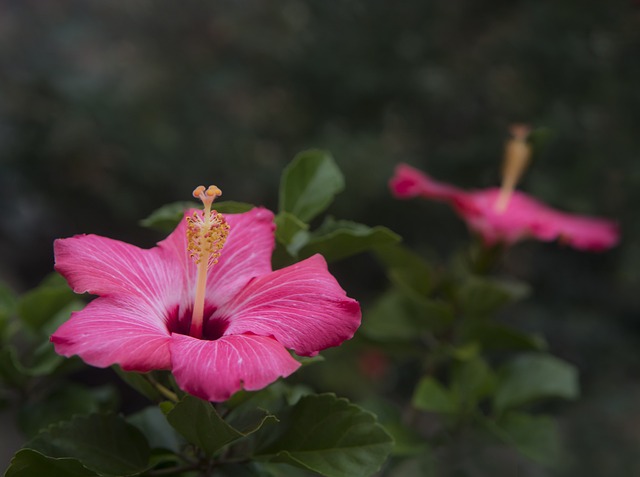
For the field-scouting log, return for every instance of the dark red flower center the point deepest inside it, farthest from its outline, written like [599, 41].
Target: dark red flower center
[179, 321]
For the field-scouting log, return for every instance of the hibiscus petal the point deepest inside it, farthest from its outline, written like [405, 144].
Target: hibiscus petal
[409, 182]
[586, 233]
[115, 331]
[302, 306]
[526, 216]
[103, 266]
[246, 253]
[214, 370]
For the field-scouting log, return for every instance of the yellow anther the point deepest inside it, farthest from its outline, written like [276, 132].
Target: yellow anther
[517, 154]
[198, 191]
[213, 191]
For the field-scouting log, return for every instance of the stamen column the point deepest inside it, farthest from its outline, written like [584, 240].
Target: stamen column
[206, 236]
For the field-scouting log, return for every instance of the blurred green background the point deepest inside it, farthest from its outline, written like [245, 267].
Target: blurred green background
[109, 110]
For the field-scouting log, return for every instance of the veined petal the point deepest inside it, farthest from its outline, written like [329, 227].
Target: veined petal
[103, 266]
[116, 331]
[302, 306]
[246, 253]
[214, 370]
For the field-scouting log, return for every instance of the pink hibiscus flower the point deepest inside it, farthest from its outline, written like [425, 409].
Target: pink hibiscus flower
[204, 303]
[499, 221]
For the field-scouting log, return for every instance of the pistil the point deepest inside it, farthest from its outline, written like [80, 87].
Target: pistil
[206, 236]
[517, 154]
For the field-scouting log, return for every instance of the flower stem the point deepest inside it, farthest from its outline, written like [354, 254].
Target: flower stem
[170, 395]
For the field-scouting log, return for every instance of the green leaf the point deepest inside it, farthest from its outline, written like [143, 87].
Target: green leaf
[407, 442]
[232, 207]
[38, 306]
[10, 372]
[390, 318]
[494, 336]
[272, 399]
[61, 316]
[405, 268]
[341, 239]
[432, 396]
[30, 463]
[62, 404]
[251, 469]
[104, 443]
[471, 381]
[531, 377]
[397, 317]
[288, 226]
[536, 437]
[153, 424]
[167, 217]
[309, 184]
[138, 382]
[424, 465]
[332, 437]
[482, 296]
[200, 424]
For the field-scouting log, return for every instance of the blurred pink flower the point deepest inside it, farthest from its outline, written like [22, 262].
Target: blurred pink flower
[522, 217]
[142, 317]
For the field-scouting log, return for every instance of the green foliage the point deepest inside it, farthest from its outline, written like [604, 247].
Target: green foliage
[494, 336]
[140, 383]
[62, 404]
[30, 463]
[167, 217]
[340, 239]
[432, 396]
[158, 432]
[104, 443]
[41, 304]
[290, 230]
[472, 380]
[330, 436]
[396, 316]
[309, 184]
[536, 437]
[406, 269]
[480, 296]
[200, 424]
[406, 441]
[530, 377]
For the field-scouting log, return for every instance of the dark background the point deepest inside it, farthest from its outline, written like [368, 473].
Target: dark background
[109, 110]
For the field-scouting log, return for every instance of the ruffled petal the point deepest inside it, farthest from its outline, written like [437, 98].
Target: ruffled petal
[116, 331]
[528, 217]
[586, 233]
[103, 266]
[214, 370]
[246, 253]
[302, 306]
